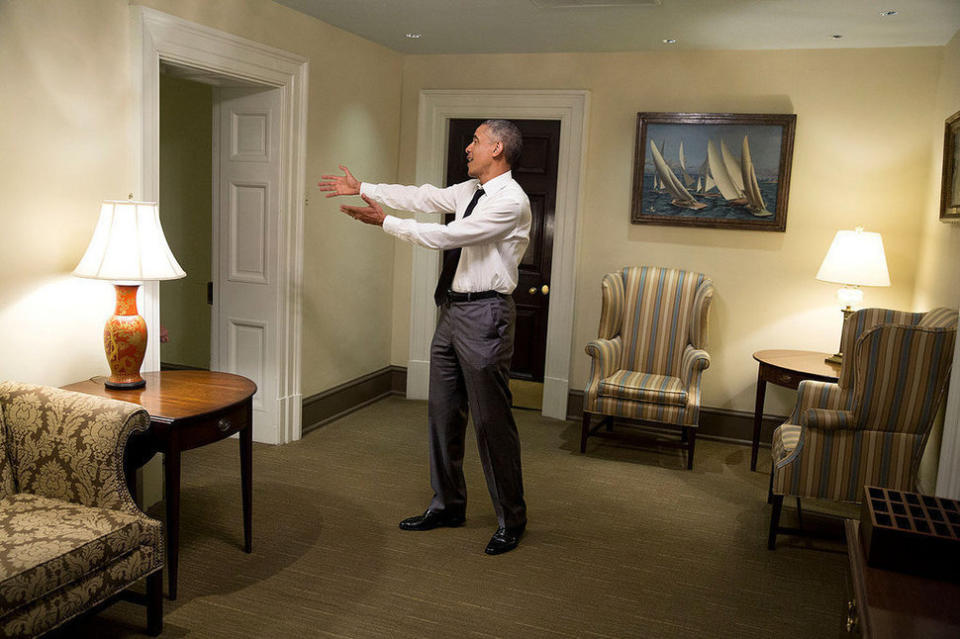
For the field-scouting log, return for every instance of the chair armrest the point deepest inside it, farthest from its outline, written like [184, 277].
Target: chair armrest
[827, 419]
[826, 395]
[605, 355]
[70, 446]
[694, 360]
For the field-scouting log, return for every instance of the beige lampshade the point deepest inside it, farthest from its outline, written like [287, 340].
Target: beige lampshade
[128, 245]
[855, 258]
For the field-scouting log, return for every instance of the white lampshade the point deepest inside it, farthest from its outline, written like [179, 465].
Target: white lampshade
[855, 258]
[128, 245]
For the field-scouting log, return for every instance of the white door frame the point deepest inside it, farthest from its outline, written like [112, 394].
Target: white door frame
[157, 37]
[948, 470]
[437, 108]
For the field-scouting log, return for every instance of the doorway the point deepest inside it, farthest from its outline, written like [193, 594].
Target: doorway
[163, 39]
[536, 172]
[186, 178]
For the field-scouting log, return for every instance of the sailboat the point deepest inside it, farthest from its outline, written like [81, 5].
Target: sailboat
[681, 197]
[733, 167]
[705, 188]
[755, 202]
[687, 178]
[721, 175]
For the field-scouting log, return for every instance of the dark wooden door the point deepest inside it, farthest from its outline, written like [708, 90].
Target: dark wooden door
[537, 174]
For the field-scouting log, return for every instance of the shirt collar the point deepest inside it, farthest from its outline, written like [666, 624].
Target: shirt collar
[495, 184]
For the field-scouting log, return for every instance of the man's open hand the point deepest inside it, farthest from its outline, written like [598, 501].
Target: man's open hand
[344, 184]
[371, 214]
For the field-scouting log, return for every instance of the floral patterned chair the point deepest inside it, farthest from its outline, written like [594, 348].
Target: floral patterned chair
[869, 428]
[71, 536]
[649, 356]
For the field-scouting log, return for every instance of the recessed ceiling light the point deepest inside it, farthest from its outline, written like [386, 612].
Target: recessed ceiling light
[413, 36]
[886, 13]
[836, 36]
[669, 41]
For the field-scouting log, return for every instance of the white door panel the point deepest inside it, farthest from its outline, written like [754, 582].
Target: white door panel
[247, 226]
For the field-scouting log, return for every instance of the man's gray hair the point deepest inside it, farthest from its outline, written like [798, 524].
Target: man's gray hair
[508, 134]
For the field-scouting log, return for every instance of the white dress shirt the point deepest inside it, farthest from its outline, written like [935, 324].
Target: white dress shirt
[494, 237]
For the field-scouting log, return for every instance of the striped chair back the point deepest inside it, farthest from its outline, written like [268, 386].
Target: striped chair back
[663, 311]
[860, 322]
[901, 376]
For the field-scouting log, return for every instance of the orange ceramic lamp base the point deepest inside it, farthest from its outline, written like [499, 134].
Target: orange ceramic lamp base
[125, 340]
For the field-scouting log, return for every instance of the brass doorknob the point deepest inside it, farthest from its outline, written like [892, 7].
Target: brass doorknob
[545, 289]
[533, 290]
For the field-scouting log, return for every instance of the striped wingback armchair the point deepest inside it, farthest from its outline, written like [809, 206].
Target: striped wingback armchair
[872, 425]
[649, 356]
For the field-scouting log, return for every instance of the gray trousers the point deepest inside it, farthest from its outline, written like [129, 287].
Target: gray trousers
[469, 374]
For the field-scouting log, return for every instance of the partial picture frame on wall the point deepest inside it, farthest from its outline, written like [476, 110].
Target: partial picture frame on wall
[716, 170]
[950, 181]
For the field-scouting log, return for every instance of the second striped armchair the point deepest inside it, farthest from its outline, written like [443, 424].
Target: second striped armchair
[872, 425]
[649, 356]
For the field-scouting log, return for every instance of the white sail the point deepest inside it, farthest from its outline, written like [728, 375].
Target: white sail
[699, 185]
[755, 202]
[708, 182]
[733, 167]
[720, 175]
[670, 181]
[687, 178]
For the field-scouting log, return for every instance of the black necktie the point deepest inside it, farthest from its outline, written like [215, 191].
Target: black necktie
[451, 258]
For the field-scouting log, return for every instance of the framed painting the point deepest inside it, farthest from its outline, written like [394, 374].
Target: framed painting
[950, 182]
[719, 170]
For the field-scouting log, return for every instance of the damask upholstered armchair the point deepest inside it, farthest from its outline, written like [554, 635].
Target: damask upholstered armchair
[869, 428]
[648, 359]
[71, 536]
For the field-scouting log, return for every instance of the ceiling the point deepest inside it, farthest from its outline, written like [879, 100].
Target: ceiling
[534, 26]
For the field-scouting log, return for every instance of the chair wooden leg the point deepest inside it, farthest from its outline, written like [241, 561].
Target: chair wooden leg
[799, 515]
[608, 422]
[770, 488]
[584, 432]
[774, 521]
[155, 603]
[691, 434]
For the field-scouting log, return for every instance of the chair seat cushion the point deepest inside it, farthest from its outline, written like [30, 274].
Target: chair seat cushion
[46, 544]
[785, 440]
[644, 387]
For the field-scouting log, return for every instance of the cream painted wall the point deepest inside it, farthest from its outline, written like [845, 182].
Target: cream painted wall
[938, 272]
[186, 159]
[861, 157]
[66, 94]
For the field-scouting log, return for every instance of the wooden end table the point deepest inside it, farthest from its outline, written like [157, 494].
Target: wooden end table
[188, 409]
[786, 368]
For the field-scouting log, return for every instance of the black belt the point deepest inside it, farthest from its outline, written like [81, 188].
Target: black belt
[453, 296]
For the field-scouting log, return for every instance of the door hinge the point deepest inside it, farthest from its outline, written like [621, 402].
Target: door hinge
[210, 293]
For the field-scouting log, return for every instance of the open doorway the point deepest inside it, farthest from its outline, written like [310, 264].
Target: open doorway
[220, 168]
[186, 183]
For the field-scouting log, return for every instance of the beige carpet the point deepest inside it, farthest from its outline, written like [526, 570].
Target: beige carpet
[622, 542]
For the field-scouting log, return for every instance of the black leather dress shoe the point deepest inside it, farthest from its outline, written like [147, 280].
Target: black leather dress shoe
[433, 519]
[504, 540]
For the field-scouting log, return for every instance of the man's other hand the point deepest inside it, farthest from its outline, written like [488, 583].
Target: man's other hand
[344, 184]
[371, 214]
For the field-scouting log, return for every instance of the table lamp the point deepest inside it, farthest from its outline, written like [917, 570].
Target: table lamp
[855, 259]
[128, 247]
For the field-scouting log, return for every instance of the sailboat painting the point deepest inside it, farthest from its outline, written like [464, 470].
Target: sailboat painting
[719, 170]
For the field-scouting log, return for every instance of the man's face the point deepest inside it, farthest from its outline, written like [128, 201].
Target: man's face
[480, 152]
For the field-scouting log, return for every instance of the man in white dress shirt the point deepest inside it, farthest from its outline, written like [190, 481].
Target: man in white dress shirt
[473, 343]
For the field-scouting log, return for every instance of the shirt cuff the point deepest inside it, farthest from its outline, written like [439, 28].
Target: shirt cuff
[391, 225]
[367, 189]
